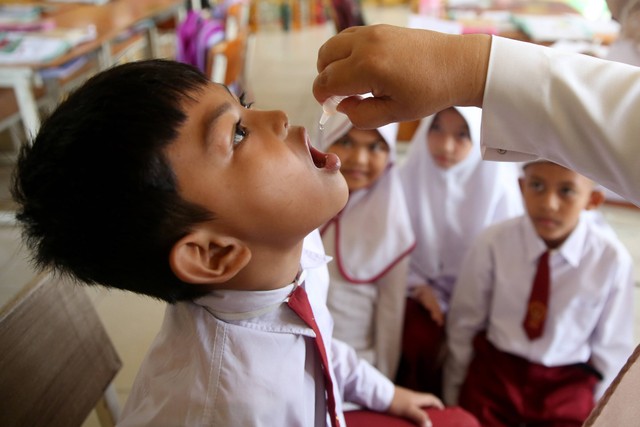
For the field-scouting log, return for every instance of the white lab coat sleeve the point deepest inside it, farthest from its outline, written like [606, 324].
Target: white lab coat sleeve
[468, 315]
[612, 340]
[358, 381]
[575, 110]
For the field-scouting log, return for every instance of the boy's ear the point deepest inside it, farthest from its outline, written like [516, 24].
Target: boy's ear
[595, 199]
[203, 258]
[521, 185]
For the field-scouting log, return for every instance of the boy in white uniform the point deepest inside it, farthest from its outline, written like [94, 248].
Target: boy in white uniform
[153, 179]
[542, 313]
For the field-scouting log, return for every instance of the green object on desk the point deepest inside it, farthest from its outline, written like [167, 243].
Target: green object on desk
[8, 45]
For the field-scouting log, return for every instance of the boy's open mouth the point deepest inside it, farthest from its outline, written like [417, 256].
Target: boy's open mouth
[327, 161]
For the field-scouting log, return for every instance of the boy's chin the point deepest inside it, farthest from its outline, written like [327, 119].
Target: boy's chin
[338, 198]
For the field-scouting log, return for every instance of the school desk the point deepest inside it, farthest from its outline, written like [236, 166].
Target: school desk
[110, 20]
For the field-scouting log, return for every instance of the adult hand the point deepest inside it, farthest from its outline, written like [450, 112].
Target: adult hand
[411, 73]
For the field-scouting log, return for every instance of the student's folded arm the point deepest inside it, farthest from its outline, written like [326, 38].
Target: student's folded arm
[468, 315]
[612, 340]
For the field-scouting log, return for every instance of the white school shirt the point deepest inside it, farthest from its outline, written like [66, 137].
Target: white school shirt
[590, 313]
[244, 358]
[575, 110]
[369, 240]
[449, 207]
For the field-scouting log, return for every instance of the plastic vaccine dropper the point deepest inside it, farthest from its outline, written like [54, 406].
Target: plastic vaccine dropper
[329, 109]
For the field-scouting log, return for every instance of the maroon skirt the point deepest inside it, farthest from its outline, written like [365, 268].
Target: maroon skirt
[423, 350]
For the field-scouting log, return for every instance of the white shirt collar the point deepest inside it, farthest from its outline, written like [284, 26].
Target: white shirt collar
[571, 250]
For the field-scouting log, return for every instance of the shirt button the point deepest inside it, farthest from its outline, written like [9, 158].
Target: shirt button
[501, 151]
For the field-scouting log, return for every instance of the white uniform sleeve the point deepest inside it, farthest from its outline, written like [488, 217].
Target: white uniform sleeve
[468, 314]
[575, 110]
[612, 340]
[358, 381]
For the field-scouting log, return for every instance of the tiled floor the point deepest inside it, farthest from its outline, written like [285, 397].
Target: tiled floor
[281, 73]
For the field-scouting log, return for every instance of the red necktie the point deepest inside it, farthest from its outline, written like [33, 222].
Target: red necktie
[299, 303]
[538, 300]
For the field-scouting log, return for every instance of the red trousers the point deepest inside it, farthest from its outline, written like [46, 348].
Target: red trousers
[448, 417]
[502, 389]
[423, 347]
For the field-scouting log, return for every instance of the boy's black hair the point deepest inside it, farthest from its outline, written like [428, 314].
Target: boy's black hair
[97, 197]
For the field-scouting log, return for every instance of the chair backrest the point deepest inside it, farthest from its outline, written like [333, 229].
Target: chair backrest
[619, 405]
[56, 359]
[226, 60]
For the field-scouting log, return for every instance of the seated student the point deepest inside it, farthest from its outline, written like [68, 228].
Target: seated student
[369, 241]
[452, 196]
[541, 316]
[150, 178]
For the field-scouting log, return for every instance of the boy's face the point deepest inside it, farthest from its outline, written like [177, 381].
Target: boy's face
[554, 196]
[448, 139]
[255, 173]
[364, 155]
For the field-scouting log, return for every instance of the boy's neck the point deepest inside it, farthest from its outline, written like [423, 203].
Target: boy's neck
[268, 269]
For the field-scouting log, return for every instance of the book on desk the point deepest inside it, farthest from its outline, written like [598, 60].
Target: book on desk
[41, 46]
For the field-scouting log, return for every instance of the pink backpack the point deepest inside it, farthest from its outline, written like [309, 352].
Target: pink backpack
[195, 35]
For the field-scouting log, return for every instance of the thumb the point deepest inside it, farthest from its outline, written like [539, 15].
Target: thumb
[366, 113]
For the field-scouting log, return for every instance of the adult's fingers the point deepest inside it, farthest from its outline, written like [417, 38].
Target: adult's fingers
[337, 47]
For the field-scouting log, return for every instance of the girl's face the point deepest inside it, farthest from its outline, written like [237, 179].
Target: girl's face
[364, 155]
[448, 139]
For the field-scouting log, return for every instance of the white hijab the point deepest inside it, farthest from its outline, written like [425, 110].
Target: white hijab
[449, 207]
[373, 231]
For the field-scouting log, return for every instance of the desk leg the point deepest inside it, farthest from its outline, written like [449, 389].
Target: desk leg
[153, 44]
[27, 105]
[105, 60]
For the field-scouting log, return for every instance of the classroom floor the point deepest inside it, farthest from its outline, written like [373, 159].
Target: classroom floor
[281, 71]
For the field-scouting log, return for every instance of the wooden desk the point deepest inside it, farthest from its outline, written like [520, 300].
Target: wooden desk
[110, 20]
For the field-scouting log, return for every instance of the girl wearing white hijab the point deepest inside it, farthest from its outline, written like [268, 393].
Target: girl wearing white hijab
[452, 195]
[370, 240]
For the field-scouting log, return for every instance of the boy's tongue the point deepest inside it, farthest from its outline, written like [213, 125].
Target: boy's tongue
[329, 161]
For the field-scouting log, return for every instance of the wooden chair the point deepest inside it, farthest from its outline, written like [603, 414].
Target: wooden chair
[56, 360]
[226, 61]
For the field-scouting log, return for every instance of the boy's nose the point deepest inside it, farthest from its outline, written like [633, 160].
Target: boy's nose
[280, 123]
[551, 201]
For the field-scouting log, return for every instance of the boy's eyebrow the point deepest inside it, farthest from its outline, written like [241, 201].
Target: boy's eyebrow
[211, 119]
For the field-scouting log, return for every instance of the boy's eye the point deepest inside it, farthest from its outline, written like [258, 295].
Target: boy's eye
[239, 134]
[243, 101]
